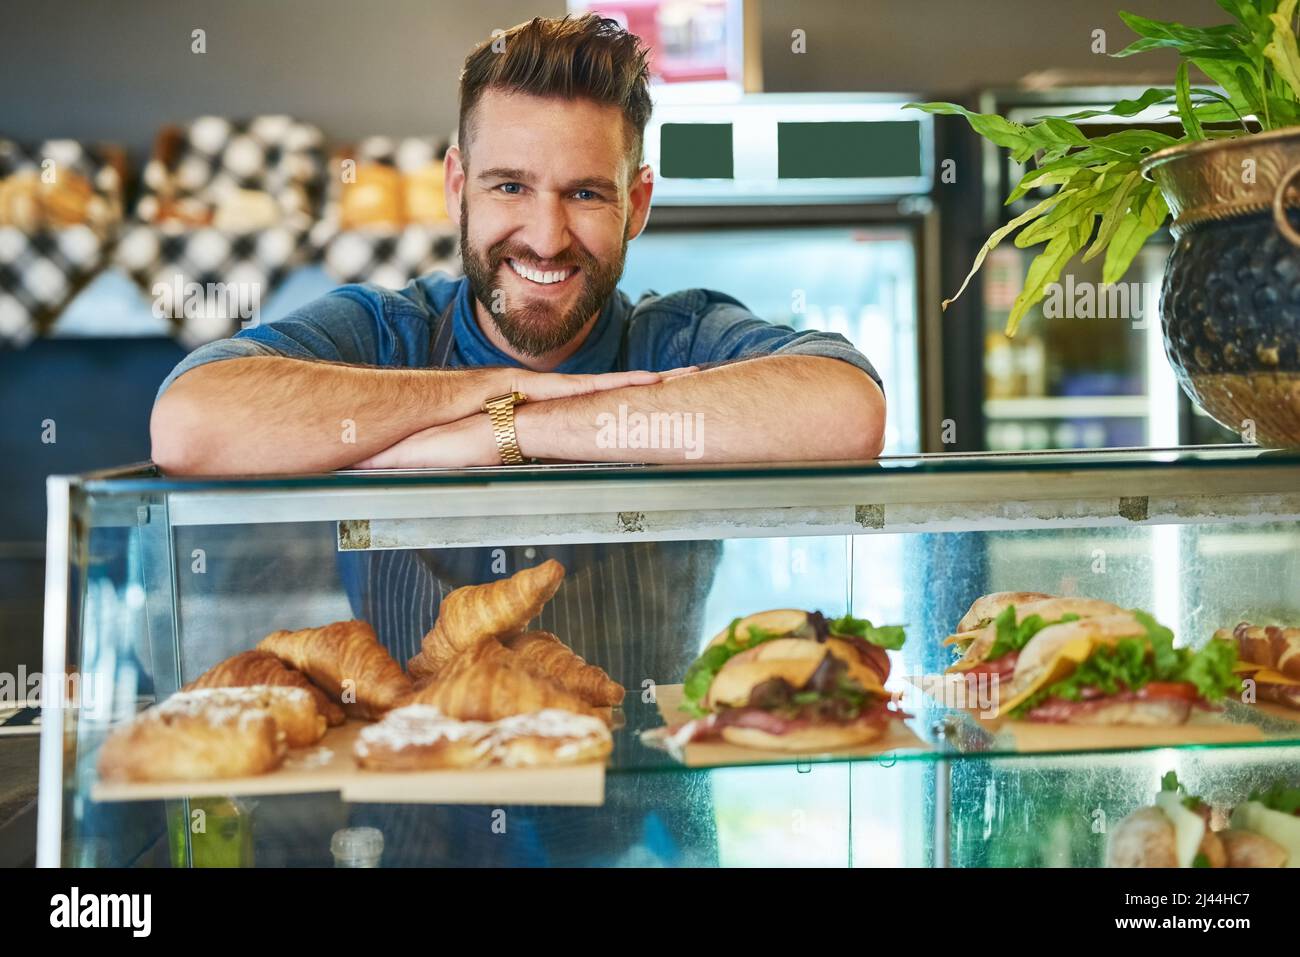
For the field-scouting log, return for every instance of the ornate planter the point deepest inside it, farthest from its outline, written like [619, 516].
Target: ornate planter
[1230, 308]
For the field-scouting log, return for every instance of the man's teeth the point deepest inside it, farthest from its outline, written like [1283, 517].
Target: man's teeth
[535, 275]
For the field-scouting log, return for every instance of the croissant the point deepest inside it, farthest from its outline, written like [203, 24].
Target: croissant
[263, 668]
[474, 612]
[545, 653]
[494, 688]
[485, 649]
[348, 662]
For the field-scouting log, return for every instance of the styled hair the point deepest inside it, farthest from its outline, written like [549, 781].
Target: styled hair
[588, 57]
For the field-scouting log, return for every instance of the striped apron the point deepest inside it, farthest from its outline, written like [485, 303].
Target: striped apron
[635, 609]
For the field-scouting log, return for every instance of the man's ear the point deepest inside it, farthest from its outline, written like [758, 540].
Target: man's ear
[643, 186]
[453, 186]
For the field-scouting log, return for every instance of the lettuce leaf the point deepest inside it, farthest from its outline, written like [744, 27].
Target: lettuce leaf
[1013, 637]
[1170, 783]
[886, 636]
[695, 686]
[1279, 797]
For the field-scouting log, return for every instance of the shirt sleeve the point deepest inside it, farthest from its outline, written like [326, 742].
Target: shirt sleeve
[360, 325]
[723, 330]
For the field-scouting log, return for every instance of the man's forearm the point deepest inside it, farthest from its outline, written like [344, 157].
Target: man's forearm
[273, 414]
[775, 408]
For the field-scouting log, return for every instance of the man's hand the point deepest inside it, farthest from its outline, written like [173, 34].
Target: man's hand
[540, 386]
[462, 444]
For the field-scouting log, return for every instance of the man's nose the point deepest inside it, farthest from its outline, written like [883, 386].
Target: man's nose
[546, 232]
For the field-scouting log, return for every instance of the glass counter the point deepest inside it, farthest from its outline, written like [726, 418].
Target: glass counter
[152, 580]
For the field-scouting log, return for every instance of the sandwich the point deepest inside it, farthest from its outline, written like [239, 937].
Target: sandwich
[1270, 657]
[1175, 832]
[790, 680]
[986, 608]
[992, 634]
[1082, 661]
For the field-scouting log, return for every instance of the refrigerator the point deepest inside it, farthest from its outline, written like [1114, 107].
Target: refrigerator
[1088, 369]
[811, 209]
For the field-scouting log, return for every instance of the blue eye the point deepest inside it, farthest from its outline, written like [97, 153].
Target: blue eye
[509, 187]
[590, 194]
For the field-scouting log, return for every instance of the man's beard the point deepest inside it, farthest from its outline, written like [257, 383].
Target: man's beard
[532, 327]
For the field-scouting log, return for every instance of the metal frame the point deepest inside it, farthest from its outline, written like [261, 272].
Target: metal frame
[58, 548]
[824, 504]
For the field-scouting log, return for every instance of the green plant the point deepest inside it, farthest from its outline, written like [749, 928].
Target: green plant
[1102, 202]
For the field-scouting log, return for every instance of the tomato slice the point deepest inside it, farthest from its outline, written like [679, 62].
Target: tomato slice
[1168, 689]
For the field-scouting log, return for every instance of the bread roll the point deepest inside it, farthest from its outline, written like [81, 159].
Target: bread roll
[1143, 839]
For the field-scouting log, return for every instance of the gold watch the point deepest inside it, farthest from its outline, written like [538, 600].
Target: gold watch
[501, 409]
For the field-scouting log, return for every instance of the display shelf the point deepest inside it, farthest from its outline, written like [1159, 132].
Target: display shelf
[154, 578]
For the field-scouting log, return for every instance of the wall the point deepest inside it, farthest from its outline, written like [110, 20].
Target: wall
[91, 69]
[953, 46]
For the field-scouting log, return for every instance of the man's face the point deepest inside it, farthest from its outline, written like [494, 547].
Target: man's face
[546, 212]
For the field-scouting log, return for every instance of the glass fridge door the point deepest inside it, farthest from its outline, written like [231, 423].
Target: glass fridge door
[1087, 367]
[858, 281]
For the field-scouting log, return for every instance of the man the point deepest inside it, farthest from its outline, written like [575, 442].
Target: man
[548, 187]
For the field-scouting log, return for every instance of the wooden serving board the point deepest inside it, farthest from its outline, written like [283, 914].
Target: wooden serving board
[697, 754]
[1201, 728]
[1035, 736]
[1280, 711]
[329, 766]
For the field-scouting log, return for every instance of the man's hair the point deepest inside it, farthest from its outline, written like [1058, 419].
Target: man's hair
[588, 57]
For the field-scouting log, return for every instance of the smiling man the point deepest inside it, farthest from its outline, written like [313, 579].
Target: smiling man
[548, 188]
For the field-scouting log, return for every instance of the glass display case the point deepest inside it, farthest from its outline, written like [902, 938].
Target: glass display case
[152, 580]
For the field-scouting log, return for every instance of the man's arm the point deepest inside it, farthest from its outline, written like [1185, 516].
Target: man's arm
[275, 414]
[337, 380]
[271, 414]
[768, 409]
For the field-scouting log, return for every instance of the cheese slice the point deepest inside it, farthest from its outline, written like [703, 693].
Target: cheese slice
[1262, 674]
[1189, 827]
[790, 621]
[980, 642]
[1284, 829]
[1058, 649]
[1067, 657]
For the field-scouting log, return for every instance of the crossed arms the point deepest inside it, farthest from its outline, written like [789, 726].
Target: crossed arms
[270, 414]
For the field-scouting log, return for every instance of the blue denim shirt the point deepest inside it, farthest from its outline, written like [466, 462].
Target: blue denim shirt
[370, 325]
